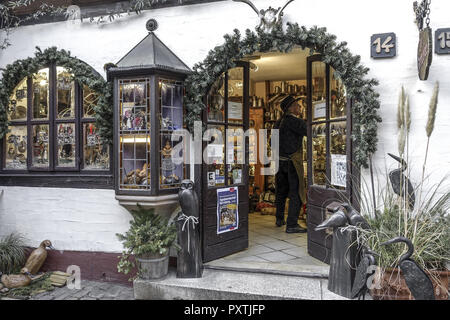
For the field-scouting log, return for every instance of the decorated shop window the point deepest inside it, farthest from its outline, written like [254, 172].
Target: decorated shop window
[171, 118]
[49, 121]
[134, 145]
[96, 153]
[18, 102]
[16, 148]
[40, 94]
[215, 152]
[236, 95]
[216, 101]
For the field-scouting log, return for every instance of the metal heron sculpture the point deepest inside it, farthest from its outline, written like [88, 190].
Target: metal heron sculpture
[337, 219]
[400, 183]
[363, 272]
[416, 279]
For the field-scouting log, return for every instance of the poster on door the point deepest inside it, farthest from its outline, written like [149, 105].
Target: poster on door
[227, 210]
[339, 170]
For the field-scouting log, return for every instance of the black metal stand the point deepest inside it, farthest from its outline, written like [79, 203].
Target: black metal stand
[343, 262]
[189, 262]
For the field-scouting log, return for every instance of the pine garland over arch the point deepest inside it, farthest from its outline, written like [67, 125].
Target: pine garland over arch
[83, 74]
[347, 67]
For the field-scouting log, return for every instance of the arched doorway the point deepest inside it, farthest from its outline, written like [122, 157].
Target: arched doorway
[360, 119]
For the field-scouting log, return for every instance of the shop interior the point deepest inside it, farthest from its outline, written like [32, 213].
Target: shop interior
[273, 76]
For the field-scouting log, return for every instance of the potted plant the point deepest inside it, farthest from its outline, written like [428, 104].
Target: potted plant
[148, 239]
[406, 209]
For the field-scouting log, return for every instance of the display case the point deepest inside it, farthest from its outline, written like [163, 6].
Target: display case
[148, 109]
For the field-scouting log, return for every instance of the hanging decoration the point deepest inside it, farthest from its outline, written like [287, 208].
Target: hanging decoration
[347, 67]
[82, 73]
[425, 48]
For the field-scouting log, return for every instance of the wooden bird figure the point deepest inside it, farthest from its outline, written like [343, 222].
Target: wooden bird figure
[11, 281]
[37, 257]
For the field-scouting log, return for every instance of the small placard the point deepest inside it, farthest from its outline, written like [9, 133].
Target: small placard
[442, 41]
[383, 45]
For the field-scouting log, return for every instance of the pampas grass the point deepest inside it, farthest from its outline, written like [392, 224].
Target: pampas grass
[12, 253]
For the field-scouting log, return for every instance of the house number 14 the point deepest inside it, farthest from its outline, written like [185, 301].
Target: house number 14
[442, 42]
[383, 45]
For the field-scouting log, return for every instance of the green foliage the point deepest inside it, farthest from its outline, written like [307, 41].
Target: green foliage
[430, 236]
[149, 235]
[12, 254]
[347, 67]
[83, 74]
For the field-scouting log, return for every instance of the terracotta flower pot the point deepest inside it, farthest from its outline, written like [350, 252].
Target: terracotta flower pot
[393, 286]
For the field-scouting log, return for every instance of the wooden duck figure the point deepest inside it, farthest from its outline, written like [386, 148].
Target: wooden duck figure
[37, 257]
[11, 281]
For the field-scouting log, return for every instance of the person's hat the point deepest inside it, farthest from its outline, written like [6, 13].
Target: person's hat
[287, 101]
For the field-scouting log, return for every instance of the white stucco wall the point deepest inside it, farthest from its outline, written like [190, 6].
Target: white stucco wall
[88, 220]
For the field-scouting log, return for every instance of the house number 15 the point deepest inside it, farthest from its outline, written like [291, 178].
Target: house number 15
[383, 45]
[442, 41]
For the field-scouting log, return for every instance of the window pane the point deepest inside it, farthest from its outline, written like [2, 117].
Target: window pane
[18, 102]
[172, 172]
[319, 91]
[338, 152]
[235, 155]
[236, 95]
[338, 97]
[66, 145]
[90, 100]
[171, 105]
[215, 153]
[41, 94]
[319, 150]
[134, 110]
[215, 100]
[40, 157]
[134, 144]
[65, 94]
[135, 159]
[16, 148]
[96, 154]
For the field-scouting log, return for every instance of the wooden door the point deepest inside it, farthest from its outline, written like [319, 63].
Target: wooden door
[227, 108]
[329, 151]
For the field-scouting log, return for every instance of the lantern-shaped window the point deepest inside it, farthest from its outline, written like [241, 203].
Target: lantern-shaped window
[148, 86]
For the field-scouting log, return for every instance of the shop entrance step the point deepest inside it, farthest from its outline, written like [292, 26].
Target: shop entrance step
[233, 285]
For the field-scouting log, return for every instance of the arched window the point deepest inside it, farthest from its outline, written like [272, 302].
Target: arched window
[52, 127]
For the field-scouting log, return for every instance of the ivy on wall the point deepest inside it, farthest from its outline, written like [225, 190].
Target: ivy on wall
[347, 67]
[83, 74]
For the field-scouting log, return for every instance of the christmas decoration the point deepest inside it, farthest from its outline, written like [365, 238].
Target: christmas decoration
[347, 67]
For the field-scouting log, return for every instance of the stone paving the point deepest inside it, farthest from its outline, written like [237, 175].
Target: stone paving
[90, 290]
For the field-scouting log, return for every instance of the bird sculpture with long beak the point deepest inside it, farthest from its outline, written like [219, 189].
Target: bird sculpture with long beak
[354, 217]
[38, 256]
[363, 272]
[12, 281]
[337, 220]
[416, 279]
[401, 185]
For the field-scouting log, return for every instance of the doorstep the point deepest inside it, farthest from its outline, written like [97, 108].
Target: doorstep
[234, 285]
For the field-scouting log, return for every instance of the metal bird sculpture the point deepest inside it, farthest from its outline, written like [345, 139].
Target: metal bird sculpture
[354, 217]
[363, 272]
[400, 183]
[337, 219]
[270, 18]
[416, 279]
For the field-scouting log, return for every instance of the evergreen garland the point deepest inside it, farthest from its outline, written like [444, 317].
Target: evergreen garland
[83, 74]
[347, 68]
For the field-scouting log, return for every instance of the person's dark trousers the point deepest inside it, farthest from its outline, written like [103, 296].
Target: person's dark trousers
[287, 185]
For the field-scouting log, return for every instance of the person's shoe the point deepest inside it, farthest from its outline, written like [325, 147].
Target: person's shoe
[296, 229]
[280, 222]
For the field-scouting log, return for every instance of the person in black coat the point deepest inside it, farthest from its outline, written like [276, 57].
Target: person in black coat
[292, 129]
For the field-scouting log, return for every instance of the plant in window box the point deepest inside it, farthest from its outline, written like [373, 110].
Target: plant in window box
[409, 211]
[148, 239]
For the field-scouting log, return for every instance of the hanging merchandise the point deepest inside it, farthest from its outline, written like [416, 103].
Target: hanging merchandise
[425, 48]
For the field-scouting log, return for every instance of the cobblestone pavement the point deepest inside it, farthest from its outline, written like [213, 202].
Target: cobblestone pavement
[90, 290]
